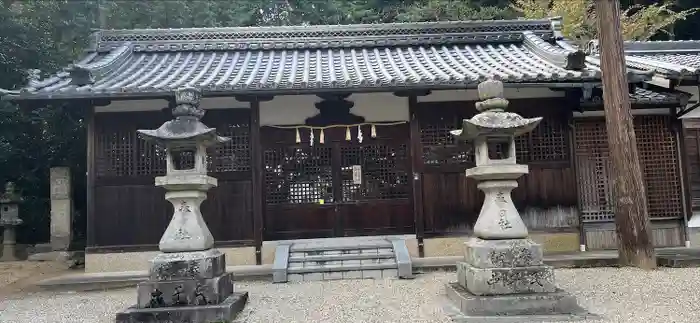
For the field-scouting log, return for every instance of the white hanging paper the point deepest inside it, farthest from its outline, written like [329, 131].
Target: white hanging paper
[322, 137]
[373, 131]
[356, 174]
[311, 137]
[359, 134]
[298, 138]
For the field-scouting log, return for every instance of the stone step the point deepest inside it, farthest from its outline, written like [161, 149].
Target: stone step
[377, 252]
[349, 274]
[340, 246]
[341, 257]
[390, 264]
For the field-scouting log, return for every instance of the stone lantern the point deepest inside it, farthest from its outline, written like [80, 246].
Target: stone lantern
[9, 219]
[502, 273]
[187, 280]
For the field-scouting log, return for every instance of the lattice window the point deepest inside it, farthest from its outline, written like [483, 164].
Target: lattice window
[296, 175]
[151, 158]
[383, 172]
[114, 153]
[121, 153]
[234, 156]
[440, 147]
[658, 159]
[547, 142]
[593, 169]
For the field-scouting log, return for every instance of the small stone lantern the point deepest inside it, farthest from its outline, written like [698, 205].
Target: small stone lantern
[187, 281]
[9, 219]
[502, 273]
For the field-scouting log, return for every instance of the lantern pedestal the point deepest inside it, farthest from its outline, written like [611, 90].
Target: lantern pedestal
[9, 220]
[9, 240]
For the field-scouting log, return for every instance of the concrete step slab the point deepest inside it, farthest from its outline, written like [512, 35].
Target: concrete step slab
[341, 257]
[310, 247]
[340, 268]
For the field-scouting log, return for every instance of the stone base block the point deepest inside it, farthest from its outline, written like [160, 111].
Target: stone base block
[502, 281]
[226, 311]
[186, 265]
[502, 253]
[207, 291]
[499, 306]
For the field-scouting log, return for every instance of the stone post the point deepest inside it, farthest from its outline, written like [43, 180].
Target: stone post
[61, 208]
[502, 273]
[187, 281]
[9, 219]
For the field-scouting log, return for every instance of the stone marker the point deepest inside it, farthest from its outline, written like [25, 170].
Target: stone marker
[187, 281]
[58, 248]
[9, 219]
[61, 207]
[502, 274]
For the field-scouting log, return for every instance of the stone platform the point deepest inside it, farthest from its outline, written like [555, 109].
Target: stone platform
[506, 279]
[225, 311]
[187, 287]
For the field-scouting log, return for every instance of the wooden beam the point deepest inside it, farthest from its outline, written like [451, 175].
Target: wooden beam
[254, 98]
[256, 183]
[416, 181]
[412, 93]
[631, 211]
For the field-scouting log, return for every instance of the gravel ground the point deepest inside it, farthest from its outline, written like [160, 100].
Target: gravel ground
[619, 295]
[16, 275]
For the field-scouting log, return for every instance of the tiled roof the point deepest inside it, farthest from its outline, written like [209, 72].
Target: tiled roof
[647, 97]
[316, 58]
[669, 59]
[635, 74]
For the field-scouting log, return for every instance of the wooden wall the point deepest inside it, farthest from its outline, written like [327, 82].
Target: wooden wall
[131, 213]
[451, 202]
[692, 149]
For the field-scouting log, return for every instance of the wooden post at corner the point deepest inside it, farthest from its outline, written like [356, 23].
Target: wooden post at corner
[631, 213]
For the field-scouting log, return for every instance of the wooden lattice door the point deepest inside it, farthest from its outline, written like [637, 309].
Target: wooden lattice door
[338, 187]
[658, 157]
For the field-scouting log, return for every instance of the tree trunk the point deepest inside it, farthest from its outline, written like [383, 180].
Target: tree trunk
[631, 218]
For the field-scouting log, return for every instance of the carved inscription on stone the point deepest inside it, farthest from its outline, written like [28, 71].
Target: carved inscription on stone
[515, 256]
[184, 208]
[503, 222]
[516, 279]
[156, 299]
[60, 183]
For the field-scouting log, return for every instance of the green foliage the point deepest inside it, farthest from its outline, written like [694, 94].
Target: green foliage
[638, 22]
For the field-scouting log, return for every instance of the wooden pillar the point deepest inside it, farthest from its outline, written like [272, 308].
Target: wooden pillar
[417, 187]
[574, 98]
[683, 173]
[256, 167]
[416, 166]
[256, 183]
[90, 174]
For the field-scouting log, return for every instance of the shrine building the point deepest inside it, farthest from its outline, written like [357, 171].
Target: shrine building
[344, 131]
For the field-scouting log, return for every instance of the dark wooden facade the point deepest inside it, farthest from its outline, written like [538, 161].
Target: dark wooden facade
[412, 178]
[451, 202]
[131, 213]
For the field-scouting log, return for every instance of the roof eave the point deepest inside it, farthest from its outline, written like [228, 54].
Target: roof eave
[268, 92]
